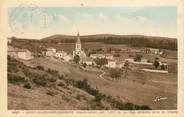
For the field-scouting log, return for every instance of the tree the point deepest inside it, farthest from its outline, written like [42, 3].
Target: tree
[138, 57]
[115, 73]
[13, 38]
[162, 67]
[99, 49]
[76, 59]
[156, 63]
[101, 61]
[84, 65]
[109, 50]
[98, 98]
[117, 55]
[91, 52]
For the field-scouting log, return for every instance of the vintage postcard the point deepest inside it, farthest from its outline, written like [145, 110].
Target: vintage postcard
[91, 58]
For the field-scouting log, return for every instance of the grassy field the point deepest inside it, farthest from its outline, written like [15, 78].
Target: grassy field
[140, 87]
[43, 88]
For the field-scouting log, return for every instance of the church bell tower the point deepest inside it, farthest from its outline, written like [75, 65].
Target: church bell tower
[78, 43]
[78, 48]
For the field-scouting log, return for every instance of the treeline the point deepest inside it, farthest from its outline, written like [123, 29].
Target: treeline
[134, 40]
[152, 42]
[30, 44]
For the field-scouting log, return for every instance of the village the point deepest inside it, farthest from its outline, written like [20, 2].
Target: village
[102, 59]
[92, 58]
[115, 71]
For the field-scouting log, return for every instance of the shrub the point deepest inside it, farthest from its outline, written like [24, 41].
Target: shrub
[12, 64]
[143, 83]
[117, 55]
[115, 73]
[82, 84]
[162, 67]
[53, 72]
[149, 61]
[27, 86]
[101, 62]
[51, 80]
[84, 65]
[61, 84]
[99, 97]
[70, 82]
[61, 77]
[51, 93]
[131, 55]
[40, 82]
[14, 79]
[76, 59]
[144, 108]
[26, 72]
[138, 57]
[78, 97]
[99, 49]
[156, 64]
[40, 67]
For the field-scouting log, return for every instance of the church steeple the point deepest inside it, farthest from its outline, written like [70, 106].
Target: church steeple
[78, 43]
[78, 38]
[78, 48]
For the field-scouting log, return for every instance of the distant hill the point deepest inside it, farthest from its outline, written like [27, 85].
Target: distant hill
[100, 36]
[132, 40]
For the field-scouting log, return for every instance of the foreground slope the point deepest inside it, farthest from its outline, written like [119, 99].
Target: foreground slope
[41, 88]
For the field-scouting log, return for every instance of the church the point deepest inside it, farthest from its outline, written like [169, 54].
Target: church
[78, 48]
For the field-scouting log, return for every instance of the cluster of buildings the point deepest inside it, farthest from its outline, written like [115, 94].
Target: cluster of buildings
[23, 54]
[14, 52]
[90, 61]
[145, 50]
[52, 52]
[111, 62]
[153, 51]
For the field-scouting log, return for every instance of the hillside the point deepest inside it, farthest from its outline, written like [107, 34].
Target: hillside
[100, 36]
[61, 37]
[42, 88]
[132, 40]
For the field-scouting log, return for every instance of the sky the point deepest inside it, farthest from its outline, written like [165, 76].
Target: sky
[40, 22]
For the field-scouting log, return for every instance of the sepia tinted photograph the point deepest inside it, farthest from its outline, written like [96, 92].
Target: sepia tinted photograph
[92, 58]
